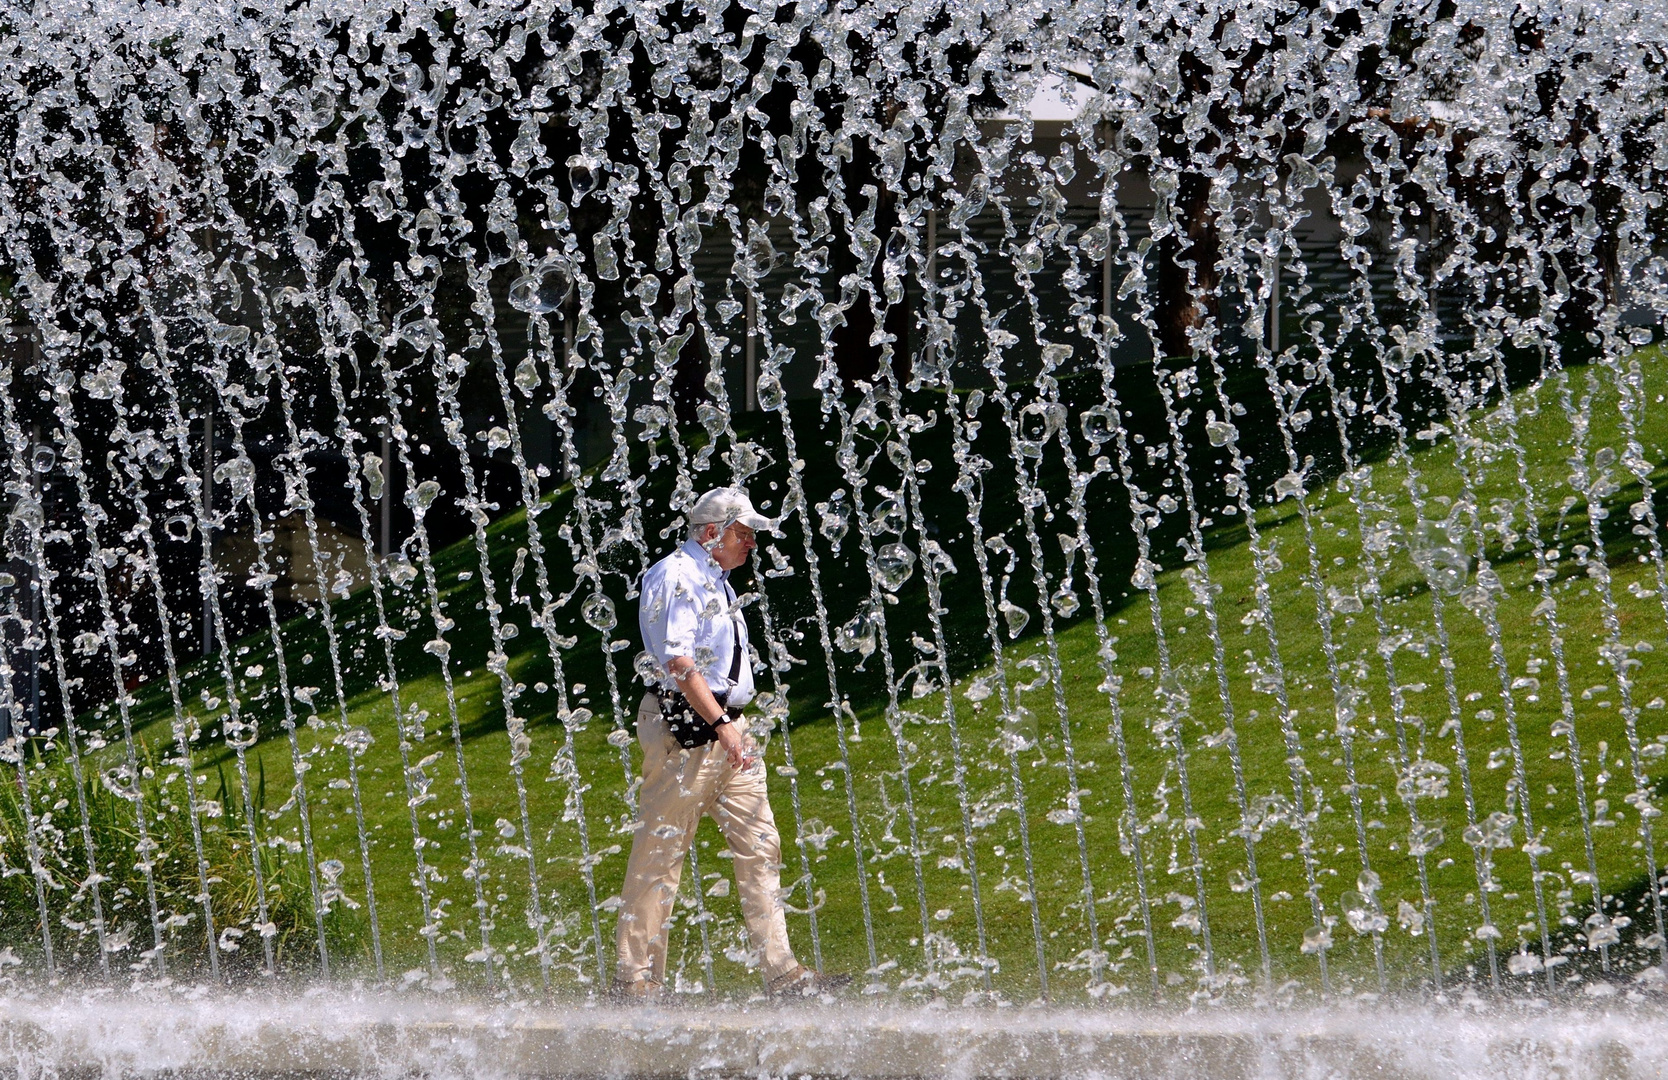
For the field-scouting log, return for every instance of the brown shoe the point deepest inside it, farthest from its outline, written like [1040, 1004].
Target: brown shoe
[803, 982]
[641, 992]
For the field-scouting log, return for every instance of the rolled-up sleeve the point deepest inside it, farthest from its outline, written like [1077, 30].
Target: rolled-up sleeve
[668, 617]
[679, 622]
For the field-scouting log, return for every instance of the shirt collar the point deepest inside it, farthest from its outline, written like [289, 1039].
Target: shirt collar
[704, 560]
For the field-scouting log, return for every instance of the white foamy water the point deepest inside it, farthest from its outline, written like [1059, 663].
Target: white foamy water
[109, 1034]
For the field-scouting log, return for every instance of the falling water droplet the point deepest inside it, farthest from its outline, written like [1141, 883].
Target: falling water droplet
[1099, 425]
[527, 376]
[894, 563]
[1016, 617]
[598, 611]
[540, 293]
[582, 174]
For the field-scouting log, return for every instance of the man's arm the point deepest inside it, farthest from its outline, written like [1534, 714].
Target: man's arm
[737, 743]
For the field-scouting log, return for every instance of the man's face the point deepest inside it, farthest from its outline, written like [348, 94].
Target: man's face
[734, 545]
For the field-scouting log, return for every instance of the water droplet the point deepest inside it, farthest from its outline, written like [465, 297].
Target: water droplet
[598, 611]
[1094, 243]
[859, 635]
[406, 78]
[230, 336]
[370, 467]
[421, 334]
[1362, 913]
[1016, 617]
[541, 292]
[1601, 932]
[1316, 939]
[527, 376]
[894, 563]
[423, 495]
[889, 517]
[582, 174]
[761, 254]
[1099, 425]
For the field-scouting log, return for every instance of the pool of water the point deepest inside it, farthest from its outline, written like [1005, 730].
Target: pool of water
[165, 1031]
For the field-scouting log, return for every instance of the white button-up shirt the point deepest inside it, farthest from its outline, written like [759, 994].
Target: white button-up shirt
[687, 608]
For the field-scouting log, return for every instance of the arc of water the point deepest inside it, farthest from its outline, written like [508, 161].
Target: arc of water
[497, 659]
[856, 482]
[1285, 404]
[28, 512]
[194, 484]
[1104, 334]
[971, 484]
[261, 572]
[425, 288]
[588, 560]
[780, 663]
[1241, 489]
[1034, 501]
[91, 515]
[932, 570]
[804, 240]
[1486, 320]
[1633, 234]
[13, 751]
[1286, 213]
[212, 606]
[180, 722]
[1590, 479]
[1169, 731]
[1359, 492]
[475, 869]
[1424, 296]
[1356, 485]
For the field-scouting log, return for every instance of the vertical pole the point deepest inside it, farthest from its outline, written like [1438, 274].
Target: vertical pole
[931, 282]
[579, 424]
[34, 597]
[208, 516]
[1274, 306]
[751, 351]
[386, 507]
[1106, 260]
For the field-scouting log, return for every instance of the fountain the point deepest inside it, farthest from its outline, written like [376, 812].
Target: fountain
[1215, 450]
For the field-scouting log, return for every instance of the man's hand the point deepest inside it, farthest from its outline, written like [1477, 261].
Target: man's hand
[738, 745]
[733, 736]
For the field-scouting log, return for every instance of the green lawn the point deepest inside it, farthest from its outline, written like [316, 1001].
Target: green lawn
[918, 869]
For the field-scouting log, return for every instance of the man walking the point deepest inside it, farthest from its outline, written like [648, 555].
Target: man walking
[698, 757]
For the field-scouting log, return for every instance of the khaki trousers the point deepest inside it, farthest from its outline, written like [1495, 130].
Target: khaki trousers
[679, 786]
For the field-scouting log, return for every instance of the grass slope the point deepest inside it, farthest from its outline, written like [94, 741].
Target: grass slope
[1360, 774]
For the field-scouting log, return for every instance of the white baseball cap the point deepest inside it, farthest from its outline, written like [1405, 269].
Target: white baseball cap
[725, 506]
